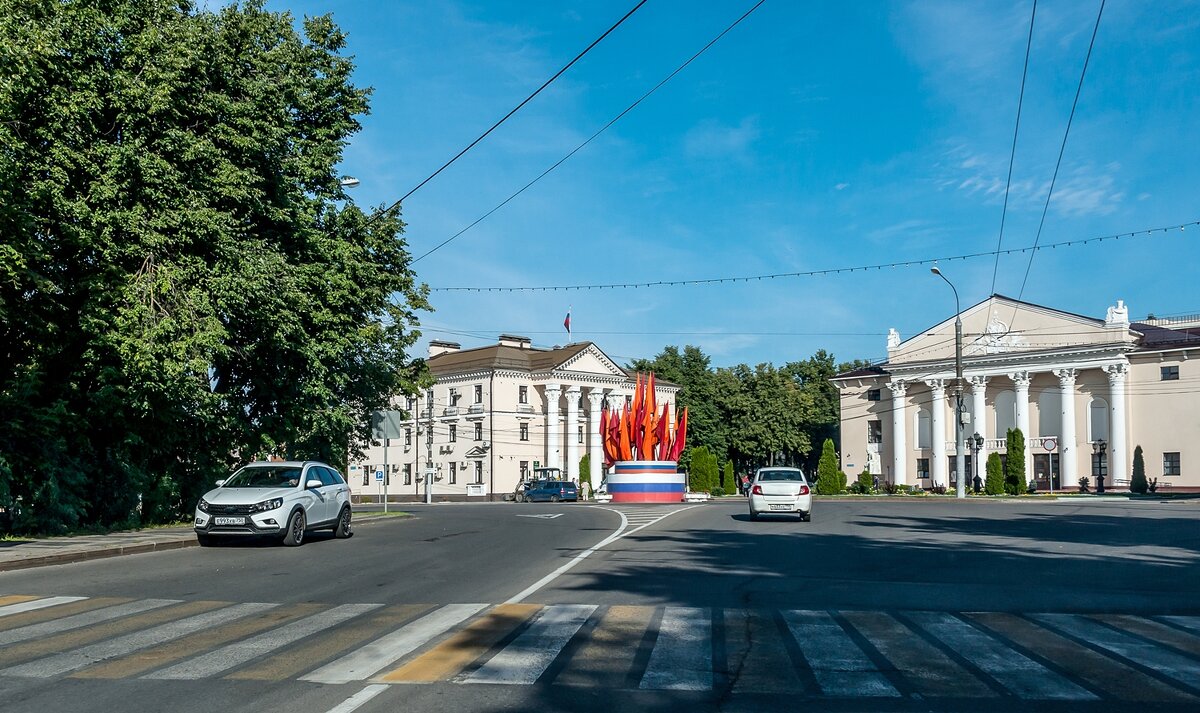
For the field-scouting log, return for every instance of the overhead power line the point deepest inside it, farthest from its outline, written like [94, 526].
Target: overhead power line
[1013, 155]
[517, 108]
[604, 128]
[815, 273]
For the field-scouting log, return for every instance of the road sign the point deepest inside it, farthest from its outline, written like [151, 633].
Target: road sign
[379, 476]
[537, 464]
[1049, 444]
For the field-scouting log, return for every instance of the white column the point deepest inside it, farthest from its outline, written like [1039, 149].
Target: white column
[1021, 380]
[978, 425]
[899, 442]
[937, 408]
[553, 391]
[1118, 464]
[596, 453]
[571, 470]
[1066, 440]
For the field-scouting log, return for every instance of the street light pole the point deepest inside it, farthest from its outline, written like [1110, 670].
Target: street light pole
[960, 460]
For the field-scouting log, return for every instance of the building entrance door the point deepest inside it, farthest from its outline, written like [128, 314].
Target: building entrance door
[1045, 464]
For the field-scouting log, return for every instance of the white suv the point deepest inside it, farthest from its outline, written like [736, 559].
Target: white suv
[283, 499]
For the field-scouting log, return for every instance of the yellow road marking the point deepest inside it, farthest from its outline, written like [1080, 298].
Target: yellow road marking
[472, 641]
[605, 659]
[37, 616]
[16, 599]
[308, 657]
[192, 644]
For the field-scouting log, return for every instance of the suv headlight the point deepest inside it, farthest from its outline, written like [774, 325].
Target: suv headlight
[202, 506]
[272, 504]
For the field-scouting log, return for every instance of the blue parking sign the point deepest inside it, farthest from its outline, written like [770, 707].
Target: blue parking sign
[379, 475]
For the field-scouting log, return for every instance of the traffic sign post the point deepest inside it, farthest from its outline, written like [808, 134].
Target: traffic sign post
[1050, 444]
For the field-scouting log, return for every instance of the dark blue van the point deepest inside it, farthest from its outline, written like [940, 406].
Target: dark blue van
[553, 490]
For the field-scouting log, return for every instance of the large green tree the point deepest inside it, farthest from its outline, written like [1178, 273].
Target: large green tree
[182, 285]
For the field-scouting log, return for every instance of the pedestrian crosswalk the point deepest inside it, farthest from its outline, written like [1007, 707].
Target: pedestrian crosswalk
[724, 651]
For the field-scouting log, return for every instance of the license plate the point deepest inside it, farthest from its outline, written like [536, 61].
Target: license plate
[781, 507]
[229, 521]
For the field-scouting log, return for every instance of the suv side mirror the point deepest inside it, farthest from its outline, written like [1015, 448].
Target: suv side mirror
[313, 483]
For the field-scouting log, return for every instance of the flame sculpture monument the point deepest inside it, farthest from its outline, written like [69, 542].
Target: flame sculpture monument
[642, 449]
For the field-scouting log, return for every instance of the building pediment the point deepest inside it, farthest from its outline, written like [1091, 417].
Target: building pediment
[1003, 326]
[590, 360]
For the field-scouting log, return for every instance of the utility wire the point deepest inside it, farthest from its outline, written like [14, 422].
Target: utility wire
[1062, 149]
[814, 273]
[515, 110]
[1013, 155]
[604, 128]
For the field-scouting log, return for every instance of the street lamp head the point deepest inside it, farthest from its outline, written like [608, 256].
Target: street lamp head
[348, 182]
[935, 270]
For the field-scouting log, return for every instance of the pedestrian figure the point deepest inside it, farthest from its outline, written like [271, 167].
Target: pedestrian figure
[585, 490]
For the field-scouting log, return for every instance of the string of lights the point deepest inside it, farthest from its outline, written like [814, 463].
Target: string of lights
[827, 271]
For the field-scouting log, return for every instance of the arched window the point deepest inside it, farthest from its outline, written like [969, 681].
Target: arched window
[924, 429]
[1049, 414]
[1006, 414]
[1098, 420]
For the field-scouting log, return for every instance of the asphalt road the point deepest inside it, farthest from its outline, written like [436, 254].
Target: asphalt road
[891, 605]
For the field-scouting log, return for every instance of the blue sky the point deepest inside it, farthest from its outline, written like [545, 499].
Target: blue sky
[815, 135]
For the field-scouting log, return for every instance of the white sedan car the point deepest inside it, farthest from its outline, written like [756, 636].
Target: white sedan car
[276, 499]
[780, 490]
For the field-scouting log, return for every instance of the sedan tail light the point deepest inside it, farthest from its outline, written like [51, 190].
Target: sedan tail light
[804, 490]
[757, 490]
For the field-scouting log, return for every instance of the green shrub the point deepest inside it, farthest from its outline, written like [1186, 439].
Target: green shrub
[1014, 467]
[994, 485]
[828, 480]
[717, 492]
[1137, 482]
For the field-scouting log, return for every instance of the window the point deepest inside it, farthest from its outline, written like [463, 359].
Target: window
[410, 403]
[429, 434]
[478, 393]
[873, 395]
[366, 475]
[453, 433]
[407, 437]
[522, 394]
[1171, 463]
[524, 431]
[479, 431]
[453, 472]
[408, 473]
[337, 478]
[874, 431]
[580, 434]
[429, 398]
[923, 468]
[454, 397]
[524, 470]
[1170, 373]
[478, 472]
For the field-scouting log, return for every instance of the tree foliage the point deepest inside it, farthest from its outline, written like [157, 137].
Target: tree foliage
[1137, 481]
[728, 483]
[181, 284]
[994, 485]
[702, 474]
[830, 480]
[585, 468]
[1014, 466]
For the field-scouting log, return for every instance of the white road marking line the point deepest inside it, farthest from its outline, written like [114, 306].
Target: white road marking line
[520, 596]
[839, 665]
[233, 655]
[356, 701]
[77, 621]
[1187, 622]
[372, 658]
[35, 604]
[1023, 676]
[682, 656]
[74, 660]
[532, 652]
[1176, 666]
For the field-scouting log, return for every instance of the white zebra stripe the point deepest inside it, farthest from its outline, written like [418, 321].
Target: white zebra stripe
[77, 621]
[532, 652]
[122, 645]
[237, 654]
[1176, 666]
[36, 604]
[839, 665]
[1023, 676]
[682, 655]
[373, 657]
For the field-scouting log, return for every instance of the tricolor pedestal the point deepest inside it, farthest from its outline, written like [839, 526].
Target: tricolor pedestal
[646, 481]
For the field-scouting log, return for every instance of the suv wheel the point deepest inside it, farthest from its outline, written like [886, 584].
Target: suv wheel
[294, 536]
[342, 529]
[553, 498]
[204, 540]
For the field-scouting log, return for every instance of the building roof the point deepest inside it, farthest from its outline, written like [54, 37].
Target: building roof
[1155, 337]
[862, 373]
[501, 356]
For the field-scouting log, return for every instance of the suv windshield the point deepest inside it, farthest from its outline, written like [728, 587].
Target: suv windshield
[792, 475]
[284, 476]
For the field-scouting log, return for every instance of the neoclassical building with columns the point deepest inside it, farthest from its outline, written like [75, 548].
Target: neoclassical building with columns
[1084, 391]
[494, 414]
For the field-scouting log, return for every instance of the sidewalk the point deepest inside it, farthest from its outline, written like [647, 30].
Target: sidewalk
[41, 552]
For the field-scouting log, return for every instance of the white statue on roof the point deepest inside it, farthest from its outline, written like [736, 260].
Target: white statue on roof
[1118, 316]
[893, 338]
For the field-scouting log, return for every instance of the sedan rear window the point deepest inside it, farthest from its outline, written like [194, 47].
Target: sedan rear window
[265, 477]
[791, 475]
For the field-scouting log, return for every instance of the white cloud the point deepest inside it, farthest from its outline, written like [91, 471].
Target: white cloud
[841, 186]
[711, 140]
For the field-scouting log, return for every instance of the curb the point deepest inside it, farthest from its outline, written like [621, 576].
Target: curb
[179, 542]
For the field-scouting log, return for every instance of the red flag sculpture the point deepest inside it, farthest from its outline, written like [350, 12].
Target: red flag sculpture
[639, 431]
